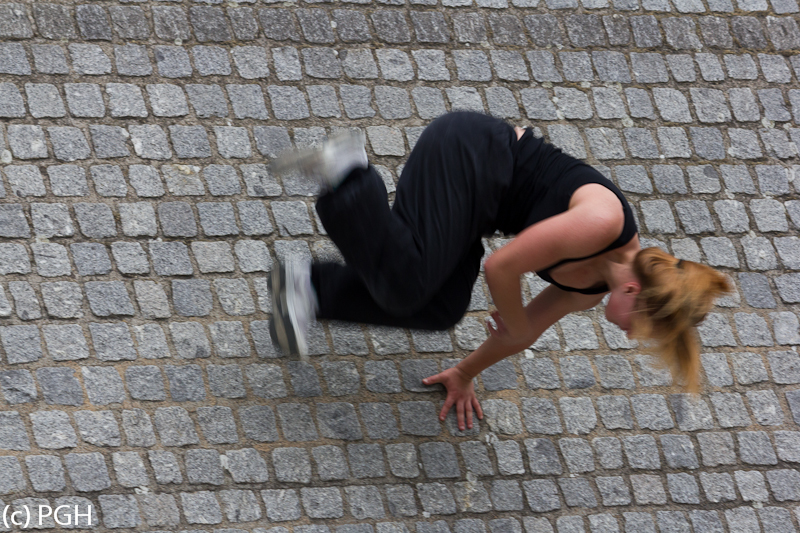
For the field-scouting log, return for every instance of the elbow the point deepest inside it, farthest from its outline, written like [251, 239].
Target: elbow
[491, 269]
[497, 268]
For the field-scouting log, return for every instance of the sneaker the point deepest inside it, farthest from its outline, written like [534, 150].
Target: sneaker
[294, 307]
[327, 164]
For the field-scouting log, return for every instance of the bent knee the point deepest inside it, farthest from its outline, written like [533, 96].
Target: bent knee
[437, 313]
[446, 321]
[401, 303]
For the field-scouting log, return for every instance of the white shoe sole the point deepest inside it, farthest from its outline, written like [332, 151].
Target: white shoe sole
[284, 313]
[326, 164]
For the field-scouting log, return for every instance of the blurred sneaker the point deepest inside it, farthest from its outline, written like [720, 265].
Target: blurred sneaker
[327, 164]
[294, 307]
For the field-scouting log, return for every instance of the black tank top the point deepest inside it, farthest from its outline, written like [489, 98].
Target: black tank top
[543, 183]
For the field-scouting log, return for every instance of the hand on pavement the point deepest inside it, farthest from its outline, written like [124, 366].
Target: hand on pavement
[460, 393]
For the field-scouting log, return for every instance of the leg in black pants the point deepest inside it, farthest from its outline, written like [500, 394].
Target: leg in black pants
[414, 265]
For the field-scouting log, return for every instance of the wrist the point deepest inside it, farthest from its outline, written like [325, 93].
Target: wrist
[465, 374]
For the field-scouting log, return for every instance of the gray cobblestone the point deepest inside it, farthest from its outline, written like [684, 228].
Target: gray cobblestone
[108, 298]
[544, 30]
[501, 376]
[646, 33]
[338, 421]
[51, 220]
[281, 505]
[174, 426]
[732, 216]
[150, 142]
[108, 181]
[172, 61]
[419, 418]
[217, 424]
[331, 463]
[46, 472]
[27, 142]
[651, 411]
[13, 105]
[540, 373]
[191, 297]
[577, 492]
[543, 457]
[711, 70]
[12, 431]
[201, 507]
[648, 489]
[366, 460]
[203, 466]
[119, 511]
[615, 412]
[16, 23]
[755, 448]
[25, 180]
[103, 385]
[87, 471]
[577, 454]
[139, 431]
[59, 386]
[639, 522]
[541, 495]
[27, 305]
[185, 383]
[21, 343]
[577, 66]
[131, 60]
[17, 387]
[774, 518]
[436, 498]
[48, 59]
[44, 100]
[69, 144]
[691, 414]
[68, 180]
[765, 407]
[403, 461]
[129, 469]
[89, 59]
[716, 448]
[258, 423]
[159, 509]
[145, 383]
[509, 458]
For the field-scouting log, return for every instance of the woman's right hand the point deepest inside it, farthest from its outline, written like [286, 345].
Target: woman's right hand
[499, 332]
[461, 393]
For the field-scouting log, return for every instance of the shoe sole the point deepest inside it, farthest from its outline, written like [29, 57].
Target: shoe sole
[299, 159]
[292, 161]
[284, 316]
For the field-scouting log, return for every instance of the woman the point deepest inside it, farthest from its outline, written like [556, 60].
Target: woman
[413, 265]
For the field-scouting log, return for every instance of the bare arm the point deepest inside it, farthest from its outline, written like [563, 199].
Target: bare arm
[583, 229]
[546, 309]
[542, 312]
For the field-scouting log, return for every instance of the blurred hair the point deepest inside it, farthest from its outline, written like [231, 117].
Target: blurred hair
[675, 297]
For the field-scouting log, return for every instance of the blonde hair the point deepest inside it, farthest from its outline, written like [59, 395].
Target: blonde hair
[675, 297]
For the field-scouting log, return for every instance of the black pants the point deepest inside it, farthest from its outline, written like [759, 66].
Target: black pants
[414, 265]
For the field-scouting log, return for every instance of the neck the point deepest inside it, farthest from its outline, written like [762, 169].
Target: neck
[618, 270]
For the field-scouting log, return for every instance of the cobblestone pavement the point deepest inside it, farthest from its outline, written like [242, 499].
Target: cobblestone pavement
[138, 221]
